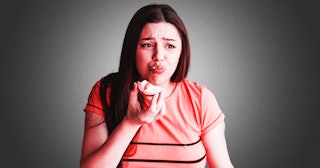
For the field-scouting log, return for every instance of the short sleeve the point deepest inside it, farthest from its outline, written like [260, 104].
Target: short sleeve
[211, 112]
[94, 103]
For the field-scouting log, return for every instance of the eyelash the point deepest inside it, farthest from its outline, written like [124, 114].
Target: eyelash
[148, 45]
[170, 46]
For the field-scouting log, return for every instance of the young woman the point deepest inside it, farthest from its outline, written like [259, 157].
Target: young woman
[183, 127]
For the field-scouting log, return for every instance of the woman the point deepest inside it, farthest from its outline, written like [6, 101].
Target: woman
[183, 125]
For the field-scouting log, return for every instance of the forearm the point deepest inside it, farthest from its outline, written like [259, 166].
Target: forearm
[216, 147]
[111, 152]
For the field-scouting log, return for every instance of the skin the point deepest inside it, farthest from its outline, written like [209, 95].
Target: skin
[157, 56]
[159, 44]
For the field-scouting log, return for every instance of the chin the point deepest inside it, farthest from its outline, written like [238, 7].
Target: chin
[159, 80]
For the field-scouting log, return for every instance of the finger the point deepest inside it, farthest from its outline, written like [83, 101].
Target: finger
[134, 94]
[134, 89]
[163, 109]
[138, 83]
[160, 99]
[161, 113]
[154, 101]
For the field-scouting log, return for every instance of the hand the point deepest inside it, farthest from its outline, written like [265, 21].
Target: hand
[138, 116]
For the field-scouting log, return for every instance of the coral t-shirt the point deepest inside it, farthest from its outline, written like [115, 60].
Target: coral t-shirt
[175, 139]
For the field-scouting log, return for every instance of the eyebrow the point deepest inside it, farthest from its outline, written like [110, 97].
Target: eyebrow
[152, 38]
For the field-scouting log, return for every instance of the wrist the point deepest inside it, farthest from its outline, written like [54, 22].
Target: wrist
[131, 122]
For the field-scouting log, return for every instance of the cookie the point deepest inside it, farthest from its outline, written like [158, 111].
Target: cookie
[146, 93]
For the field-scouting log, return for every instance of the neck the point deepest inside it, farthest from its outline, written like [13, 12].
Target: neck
[168, 88]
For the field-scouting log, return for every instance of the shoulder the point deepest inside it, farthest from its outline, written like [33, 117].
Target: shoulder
[193, 87]
[99, 97]
[104, 83]
[97, 84]
[95, 90]
[197, 91]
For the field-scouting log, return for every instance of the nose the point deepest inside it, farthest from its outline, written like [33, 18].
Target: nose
[159, 53]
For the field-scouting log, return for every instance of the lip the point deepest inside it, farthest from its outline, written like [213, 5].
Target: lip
[157, 69]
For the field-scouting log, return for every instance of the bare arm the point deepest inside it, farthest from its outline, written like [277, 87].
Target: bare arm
[102, 150]
[216, 147]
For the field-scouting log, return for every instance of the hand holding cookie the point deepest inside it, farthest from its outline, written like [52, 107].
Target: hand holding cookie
[146, 92]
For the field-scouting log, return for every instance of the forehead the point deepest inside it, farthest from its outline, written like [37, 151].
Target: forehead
[160, 30]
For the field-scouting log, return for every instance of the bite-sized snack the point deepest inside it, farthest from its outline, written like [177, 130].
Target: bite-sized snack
[146, 93]
[147, 88]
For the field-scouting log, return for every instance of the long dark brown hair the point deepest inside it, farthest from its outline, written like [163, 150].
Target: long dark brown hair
[121, 82]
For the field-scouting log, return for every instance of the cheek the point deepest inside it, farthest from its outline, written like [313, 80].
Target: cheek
[173, 64]
[174, 59]
[176, 63]
[141, 56]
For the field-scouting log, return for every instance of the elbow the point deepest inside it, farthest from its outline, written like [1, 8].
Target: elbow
[84, 163]
[224, 166]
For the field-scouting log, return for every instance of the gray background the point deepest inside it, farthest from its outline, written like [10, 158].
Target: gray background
[257, 57]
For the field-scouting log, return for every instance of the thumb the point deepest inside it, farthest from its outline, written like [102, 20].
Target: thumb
[134, 94]
[135, 90]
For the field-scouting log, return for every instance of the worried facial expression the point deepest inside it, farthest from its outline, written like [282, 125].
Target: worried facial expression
[158, 52]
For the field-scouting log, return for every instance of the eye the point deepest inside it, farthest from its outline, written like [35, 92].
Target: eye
[146, 45]
[170, 46]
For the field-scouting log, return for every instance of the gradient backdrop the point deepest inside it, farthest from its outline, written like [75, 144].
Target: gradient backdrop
[258, 58]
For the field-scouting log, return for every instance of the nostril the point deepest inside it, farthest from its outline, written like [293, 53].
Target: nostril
[158, 57]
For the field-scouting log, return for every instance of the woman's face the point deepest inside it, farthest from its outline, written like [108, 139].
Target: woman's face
[158, 52]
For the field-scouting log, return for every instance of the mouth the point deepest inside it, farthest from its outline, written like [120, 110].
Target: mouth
[157, 68]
